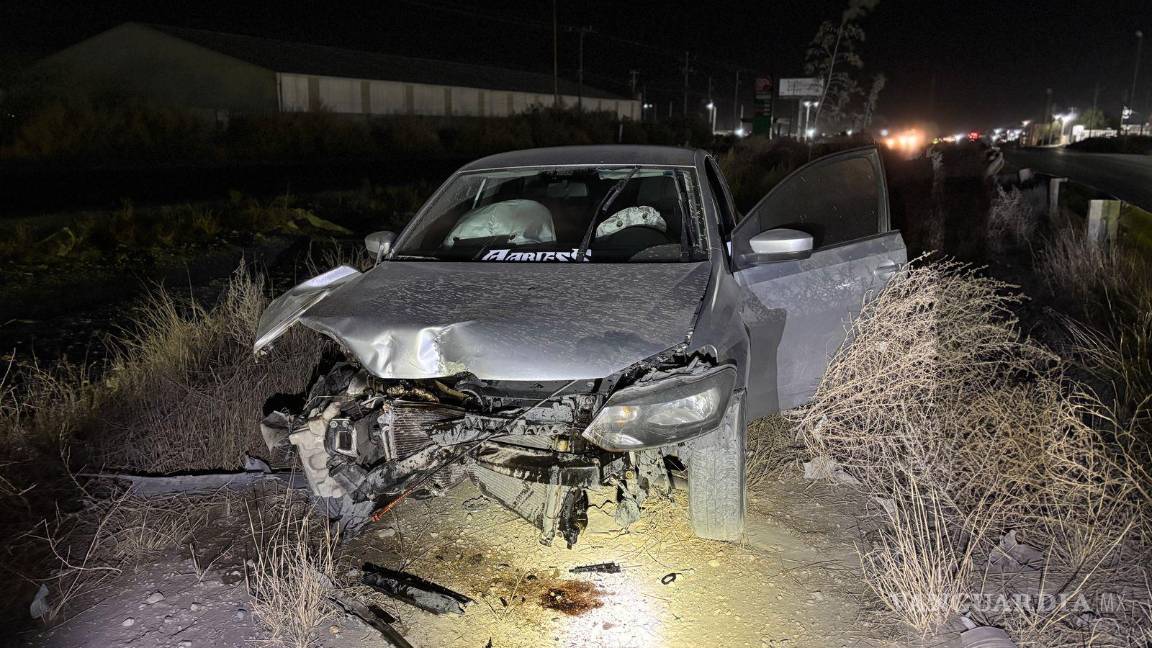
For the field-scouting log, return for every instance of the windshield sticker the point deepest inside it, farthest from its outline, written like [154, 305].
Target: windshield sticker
[509, 255]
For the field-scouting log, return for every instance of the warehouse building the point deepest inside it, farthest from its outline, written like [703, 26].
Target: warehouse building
[231, 73]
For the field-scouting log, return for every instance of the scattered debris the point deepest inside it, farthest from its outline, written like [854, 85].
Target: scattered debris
[375, 617]
[825, 467]
[478, 503]
[153, 598]
[128, 623]
[985, 637]
[600, 568]
[1011, 555]
[40, 608]
[414, 590]
[256, 464]
[669, 578]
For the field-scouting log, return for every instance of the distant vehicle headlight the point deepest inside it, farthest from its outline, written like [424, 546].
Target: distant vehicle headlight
[664, 411]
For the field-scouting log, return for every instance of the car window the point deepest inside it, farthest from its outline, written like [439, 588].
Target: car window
[835, 202]
[616, 214]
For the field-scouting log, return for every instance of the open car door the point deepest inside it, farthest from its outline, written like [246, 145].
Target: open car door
[800, 295]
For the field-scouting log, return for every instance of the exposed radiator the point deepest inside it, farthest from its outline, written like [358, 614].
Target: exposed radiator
[404, 426]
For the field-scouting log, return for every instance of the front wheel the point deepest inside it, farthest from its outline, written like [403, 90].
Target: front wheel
[716, 477]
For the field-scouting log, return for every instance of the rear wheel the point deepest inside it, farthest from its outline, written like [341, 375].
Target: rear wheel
[716, 477]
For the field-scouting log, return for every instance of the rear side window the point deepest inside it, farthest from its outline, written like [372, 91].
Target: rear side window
[834, 202]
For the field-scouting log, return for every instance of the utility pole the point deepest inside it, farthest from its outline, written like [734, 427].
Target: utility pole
[687, 70]
[1047, 115]
[634, 74]
[555, 59]
[1135, 74]
[736, 103]
[582, 31]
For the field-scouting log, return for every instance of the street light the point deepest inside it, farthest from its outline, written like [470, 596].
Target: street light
[808, 106]
[712, 111]
[1064, 119]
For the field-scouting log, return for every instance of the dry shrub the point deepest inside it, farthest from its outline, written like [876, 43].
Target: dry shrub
[292, 570]
[185, 392]
[923, 564]
[1012, 219]
[182, 392]
[770, 447]
[964, 429]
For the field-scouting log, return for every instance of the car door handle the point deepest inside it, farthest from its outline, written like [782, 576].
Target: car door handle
[886, 271]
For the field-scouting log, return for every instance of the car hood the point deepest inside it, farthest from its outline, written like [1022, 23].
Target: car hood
[510, 321]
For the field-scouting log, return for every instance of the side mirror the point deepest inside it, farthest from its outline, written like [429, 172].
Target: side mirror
[781, 244]
[379, 244]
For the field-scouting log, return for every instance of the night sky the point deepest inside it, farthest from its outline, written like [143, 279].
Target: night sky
[958, 65]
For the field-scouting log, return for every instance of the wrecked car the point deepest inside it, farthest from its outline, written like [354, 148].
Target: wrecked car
[564, 319]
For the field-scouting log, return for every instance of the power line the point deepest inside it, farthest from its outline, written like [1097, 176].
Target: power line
[437, 6]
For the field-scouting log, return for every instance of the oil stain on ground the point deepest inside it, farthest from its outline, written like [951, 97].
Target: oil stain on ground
[572, 597]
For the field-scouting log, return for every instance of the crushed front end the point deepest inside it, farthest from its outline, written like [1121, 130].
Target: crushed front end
[367, 443]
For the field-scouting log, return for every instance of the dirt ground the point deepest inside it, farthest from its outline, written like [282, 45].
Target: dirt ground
[795, 581]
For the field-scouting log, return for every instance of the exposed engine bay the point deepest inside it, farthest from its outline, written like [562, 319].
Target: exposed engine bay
[366, 443]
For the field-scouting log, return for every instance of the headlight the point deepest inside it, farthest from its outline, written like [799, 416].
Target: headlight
[669, 410]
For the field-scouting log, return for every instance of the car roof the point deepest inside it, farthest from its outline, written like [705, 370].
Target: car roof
[587, 155]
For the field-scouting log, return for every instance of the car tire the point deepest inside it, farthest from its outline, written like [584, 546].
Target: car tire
[716, 477]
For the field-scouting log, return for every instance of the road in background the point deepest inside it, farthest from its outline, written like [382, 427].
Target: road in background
[1127, 177]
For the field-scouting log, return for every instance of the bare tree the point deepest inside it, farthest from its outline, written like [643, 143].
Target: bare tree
[835, 45]
[878, 83]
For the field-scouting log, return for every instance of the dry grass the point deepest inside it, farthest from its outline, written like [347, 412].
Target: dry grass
[942, 409]
[111, 531]
[182, 392]
[921, 568]
[291, 572]
[1108, 291]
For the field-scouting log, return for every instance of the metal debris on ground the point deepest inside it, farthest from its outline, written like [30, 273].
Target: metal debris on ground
[1013, 555]
[148, 485]
[985, 637]
[414, 590]
[478, 503]
[599, 568]
[375, 617]
[40, 609]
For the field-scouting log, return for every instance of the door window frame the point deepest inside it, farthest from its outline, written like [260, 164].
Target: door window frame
[870, 153]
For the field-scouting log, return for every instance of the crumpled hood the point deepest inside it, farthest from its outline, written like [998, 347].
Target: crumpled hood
[511, 321]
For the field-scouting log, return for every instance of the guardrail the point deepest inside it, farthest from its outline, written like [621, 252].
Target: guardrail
[1108, 220]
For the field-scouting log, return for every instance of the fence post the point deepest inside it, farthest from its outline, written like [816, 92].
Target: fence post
[1103, 221]
[1054, 197]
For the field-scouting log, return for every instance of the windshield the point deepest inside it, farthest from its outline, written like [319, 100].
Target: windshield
[562, 214]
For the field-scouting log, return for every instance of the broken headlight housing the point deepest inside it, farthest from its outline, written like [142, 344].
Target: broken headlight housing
[664, 411]
[286, 309]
